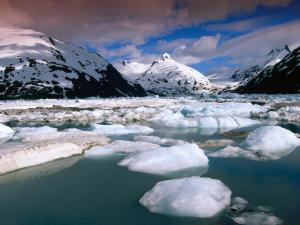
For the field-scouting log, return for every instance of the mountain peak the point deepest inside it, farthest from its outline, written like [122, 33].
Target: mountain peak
[165, 56]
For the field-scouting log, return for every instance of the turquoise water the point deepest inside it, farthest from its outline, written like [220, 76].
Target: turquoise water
[82, 191]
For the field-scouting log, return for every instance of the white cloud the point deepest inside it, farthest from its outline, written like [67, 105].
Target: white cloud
[242, 49]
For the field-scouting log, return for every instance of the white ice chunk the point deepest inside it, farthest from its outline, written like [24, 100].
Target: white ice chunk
[271, 141]
[119, 129]
[227, 122]
[245, 122]
[222, 109]
[268, 142]
[175, 120]
[191, 197]
[221, 122]
[120, 146]
[27, 133]
[166, 159]
[158, 140]
[234, 152]
[272, 115]
[208, 122]
[5, 132]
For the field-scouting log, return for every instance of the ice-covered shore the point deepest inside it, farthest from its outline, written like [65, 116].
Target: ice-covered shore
[40, 145]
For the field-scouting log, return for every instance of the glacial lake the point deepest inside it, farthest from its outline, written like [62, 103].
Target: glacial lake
[96, 191]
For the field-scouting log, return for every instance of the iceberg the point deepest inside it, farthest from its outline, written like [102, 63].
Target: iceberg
[188, 197]
[119, 129]
[271, 141]
[175, 120]
[5, 133]
[163, 160]
[158, 140]
[45, 147]
[120, 146]
[264, 143]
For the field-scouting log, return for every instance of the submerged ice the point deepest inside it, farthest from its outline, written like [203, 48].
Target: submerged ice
[188, 197]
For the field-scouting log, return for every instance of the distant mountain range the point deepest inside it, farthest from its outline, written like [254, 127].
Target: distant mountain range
[282, 77]
[34, 65]
[166, 77]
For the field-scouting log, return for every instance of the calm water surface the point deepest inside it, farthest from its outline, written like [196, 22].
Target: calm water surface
[82, 191]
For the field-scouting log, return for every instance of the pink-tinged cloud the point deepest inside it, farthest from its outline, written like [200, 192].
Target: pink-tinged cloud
[107, 21]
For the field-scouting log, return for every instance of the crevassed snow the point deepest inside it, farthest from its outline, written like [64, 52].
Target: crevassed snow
[5, 132]
[188, 197]
[121, 146]
[166, 159]
[119, 129]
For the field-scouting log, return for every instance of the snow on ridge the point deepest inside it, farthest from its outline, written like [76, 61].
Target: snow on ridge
[34, 65]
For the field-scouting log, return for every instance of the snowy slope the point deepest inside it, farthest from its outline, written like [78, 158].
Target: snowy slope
[33, 65]
[283, 77]
[131, 70]
[273, 57]
[167, 77]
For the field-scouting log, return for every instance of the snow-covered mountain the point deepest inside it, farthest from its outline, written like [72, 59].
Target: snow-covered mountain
[132, 70]
[166, 77]
[282, 77]
[273, 57]
[34, 65]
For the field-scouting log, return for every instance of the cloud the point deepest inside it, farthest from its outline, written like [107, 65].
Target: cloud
[190, 51]
[257, 44]
[10, 16]
[241, 49]
[239, 26]
[132, 21]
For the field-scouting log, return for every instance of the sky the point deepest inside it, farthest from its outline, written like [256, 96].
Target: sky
[215, 36]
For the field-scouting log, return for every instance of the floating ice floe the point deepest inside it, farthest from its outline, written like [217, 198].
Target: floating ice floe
[222, 109]
[45, 147]
[242, 213]
[120, 146]
[168, 118]
[268, 142]
[36, 172]
[158, 140]
[119, 129]
[188, 197]
[209, 121]
[33, 133]
[5, 133]
[272, 141]
[221, 122]
[216, 143]
[164, 160]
